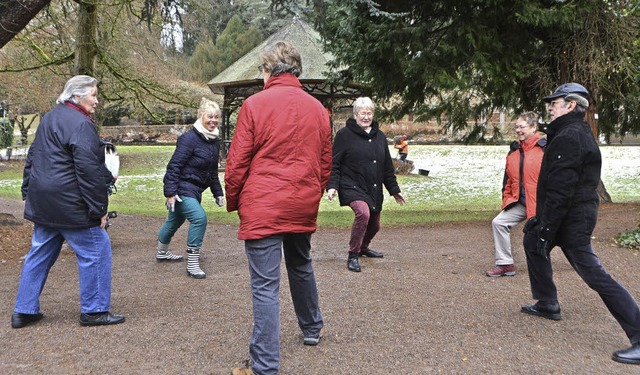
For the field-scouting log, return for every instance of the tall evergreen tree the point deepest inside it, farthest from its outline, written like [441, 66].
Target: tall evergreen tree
[235, 41]
[458, 60]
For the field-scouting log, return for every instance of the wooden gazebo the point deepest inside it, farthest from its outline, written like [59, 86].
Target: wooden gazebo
[242, 79]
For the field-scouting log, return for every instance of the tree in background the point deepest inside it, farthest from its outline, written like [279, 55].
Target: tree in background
[15, 15]
[138, 49]
[457, 60]
[211, 58]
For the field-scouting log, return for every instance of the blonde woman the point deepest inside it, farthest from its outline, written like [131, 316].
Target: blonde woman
[192, 169]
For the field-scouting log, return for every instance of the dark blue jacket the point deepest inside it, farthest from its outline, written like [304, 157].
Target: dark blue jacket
[64, 174]
[361, 165]
[193, 167]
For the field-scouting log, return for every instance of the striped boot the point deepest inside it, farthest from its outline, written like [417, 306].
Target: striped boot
[164, 255]
[193, 263]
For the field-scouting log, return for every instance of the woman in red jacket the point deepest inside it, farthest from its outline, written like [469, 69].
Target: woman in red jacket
[277, 168]
[518, 190]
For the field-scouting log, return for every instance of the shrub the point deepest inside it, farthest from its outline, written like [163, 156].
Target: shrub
[402, 167]
[6, 133]
[630, 239]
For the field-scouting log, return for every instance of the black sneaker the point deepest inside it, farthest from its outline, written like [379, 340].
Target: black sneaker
[543, 309]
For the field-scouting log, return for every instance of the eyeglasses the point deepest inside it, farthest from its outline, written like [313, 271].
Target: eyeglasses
[520, 127]
[261, 68]
[553, 102]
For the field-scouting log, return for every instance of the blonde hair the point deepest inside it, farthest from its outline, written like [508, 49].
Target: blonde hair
[208, 106]
[282, 57]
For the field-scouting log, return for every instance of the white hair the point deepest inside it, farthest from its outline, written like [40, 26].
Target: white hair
[363, 102]
[77, 86]
[579, 99]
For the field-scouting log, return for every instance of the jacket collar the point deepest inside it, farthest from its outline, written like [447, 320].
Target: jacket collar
[563, 120]
[532, 142]
[79, 109]
[284, 79]
[354, 127]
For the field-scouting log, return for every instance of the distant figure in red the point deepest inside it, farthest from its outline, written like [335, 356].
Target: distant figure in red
[403, 148]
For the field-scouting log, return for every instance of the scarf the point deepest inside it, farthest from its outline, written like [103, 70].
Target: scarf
[75, 106]
[210, 135]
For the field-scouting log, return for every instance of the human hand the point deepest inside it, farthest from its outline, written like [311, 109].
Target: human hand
[530, 224]
[331, 193]
[399, 199]
[171, 202]
[104, 220]
[220, 201]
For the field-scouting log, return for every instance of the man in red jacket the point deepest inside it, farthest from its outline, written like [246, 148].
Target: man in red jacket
[277, 169]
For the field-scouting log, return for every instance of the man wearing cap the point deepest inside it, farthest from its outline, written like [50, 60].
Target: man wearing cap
[566, 214]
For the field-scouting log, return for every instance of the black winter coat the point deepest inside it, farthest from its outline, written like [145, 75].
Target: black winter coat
[64, 175]
[567, 207]
[193, 167]
[361, 165]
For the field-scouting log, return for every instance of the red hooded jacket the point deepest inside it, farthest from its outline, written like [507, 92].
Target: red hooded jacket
[279, 161]
[533, 149]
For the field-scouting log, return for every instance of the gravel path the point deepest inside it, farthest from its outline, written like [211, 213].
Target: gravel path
[426, 308]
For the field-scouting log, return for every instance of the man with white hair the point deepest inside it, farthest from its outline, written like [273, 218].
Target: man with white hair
[566, 214]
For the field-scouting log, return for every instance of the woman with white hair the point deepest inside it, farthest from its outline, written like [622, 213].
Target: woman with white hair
[66, 198]
[192, 169]
[361, 165]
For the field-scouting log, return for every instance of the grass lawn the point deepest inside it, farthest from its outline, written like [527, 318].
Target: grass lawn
[463, 185]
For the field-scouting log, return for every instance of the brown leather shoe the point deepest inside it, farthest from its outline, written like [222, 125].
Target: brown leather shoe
[245, 370]
[241, 371]
[502, 270]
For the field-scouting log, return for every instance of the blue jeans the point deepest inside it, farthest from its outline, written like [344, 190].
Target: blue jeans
[93, 251]
[264, 257]
[189, 209]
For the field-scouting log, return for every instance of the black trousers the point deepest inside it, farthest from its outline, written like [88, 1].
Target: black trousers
[587, 264]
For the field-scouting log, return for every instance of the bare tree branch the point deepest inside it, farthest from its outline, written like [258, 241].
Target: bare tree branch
[15, 15]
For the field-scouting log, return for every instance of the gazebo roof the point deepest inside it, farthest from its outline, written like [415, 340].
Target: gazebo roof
[242, 78]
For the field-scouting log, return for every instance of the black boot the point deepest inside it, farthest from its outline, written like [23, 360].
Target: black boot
[352, 263]
[371, 253]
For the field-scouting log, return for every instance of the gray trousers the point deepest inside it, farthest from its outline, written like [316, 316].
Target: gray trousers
[501, 226]
[265, 256]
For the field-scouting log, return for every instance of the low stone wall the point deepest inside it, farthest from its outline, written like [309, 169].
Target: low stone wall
[13, 153]
[142, 133]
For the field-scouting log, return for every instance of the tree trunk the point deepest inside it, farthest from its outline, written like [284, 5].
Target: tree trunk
[15, 15]
[86, 36]
[592, 121]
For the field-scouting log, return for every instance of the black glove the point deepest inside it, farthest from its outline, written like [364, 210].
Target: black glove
[530, 224]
